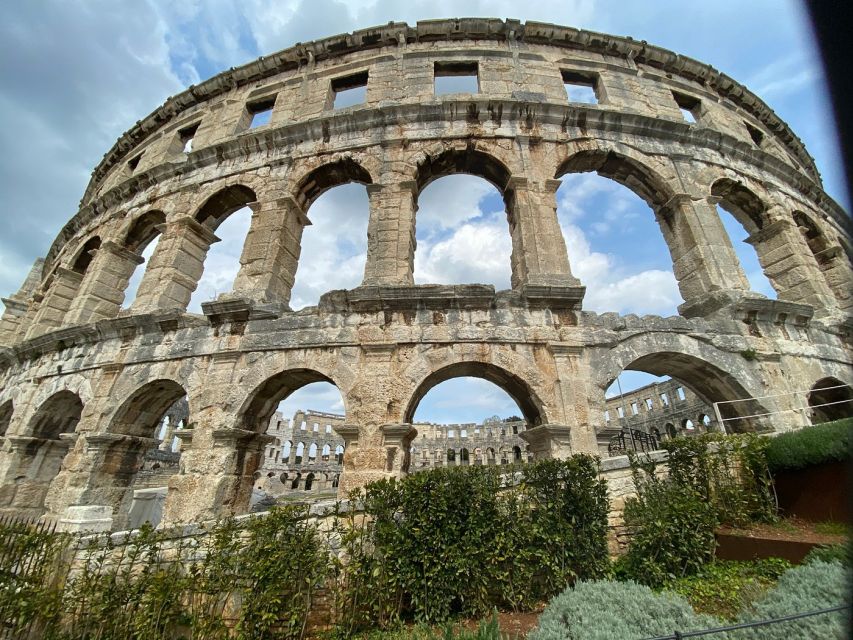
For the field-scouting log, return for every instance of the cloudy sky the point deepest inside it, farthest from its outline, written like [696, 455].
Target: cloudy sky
[75, 74]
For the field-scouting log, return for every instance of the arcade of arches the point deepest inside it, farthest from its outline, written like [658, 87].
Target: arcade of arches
[85, 384]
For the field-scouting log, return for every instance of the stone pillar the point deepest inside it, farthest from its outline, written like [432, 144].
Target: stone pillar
[539, 256]
[391, 234]
[839, 274]
[549, 441]
[703, 260]
[175, 267]
[30, 465]
[271, 252]
[13, 323]
[56, 302]
[216, 475]
[573, 391]
[101, 293]
[787, 261]
[168, 436]
[13, 317]
[397, 439]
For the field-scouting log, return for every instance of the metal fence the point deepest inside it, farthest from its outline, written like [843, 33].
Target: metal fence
[678, 635]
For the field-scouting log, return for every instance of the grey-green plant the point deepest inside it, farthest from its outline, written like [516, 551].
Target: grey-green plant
[615, 610]
[809, 587]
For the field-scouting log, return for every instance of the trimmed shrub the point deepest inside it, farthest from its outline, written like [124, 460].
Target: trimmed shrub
[809, 587]
[609, 610]
[828, 442]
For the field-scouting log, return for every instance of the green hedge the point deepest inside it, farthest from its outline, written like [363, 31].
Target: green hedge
[828, 442]
[463, 540]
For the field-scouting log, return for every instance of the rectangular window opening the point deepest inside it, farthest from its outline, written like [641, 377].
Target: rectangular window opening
[261, 112]
[691, 108]
[349, 91]
[581, 87]
[620, 411]
[635, 409]
[186, 136]
[134, 162]
[649, 404]
[607, 416]
[756, 135]
[680, 393]
[456, 77]
[664, 399]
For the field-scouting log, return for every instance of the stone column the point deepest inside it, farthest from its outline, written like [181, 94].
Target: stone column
[175, 267]
[271, 252]
[397, 439]
[539, 256]
[13, 323]
[168, 436]
[549, 441]
[101, 293]
[703, 260]
[56, 302]
[391, 234]
[31, 465]
[839, 274]
[787, 261]
[216, 475]
[572, 390]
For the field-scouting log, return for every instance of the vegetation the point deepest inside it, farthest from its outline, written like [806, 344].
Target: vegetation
[809, 587]
[828, 442]
[712, 480]
[725, 588]
[611, 610]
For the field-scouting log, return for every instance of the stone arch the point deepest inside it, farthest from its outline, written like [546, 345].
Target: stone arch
[670, 430]
[35, 459]
[83, 258]
[142, 230]
[119, 452]
[711, 383]
[521, 392]
[830, 399]
[742, 203]
[619, 167]
[326, 176]
[309, 481]
[814, 237]
[259, 407]
[469, 160]
[217, 207]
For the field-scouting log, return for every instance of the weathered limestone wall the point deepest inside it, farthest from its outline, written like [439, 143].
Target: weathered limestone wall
[386, 343]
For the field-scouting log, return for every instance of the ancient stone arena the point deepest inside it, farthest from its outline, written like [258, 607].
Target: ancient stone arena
[85, 383]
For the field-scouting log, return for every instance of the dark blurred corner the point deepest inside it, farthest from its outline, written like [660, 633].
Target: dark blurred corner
[832, 21]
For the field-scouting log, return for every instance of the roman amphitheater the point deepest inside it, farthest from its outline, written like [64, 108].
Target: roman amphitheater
[85, 383]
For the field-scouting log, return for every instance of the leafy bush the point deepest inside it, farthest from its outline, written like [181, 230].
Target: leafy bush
[486, 630]
[462, 540]
[809, 587]
[725, 588]
[711, 480]
[608, 610]
[828, 442]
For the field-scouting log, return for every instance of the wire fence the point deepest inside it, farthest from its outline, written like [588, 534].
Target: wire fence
[805, 399]
[678, 635]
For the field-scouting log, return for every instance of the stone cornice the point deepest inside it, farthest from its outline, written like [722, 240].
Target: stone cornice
[484, 29]
[597, 118]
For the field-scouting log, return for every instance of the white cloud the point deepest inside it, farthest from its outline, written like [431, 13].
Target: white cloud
[449, 201]
[319, 396]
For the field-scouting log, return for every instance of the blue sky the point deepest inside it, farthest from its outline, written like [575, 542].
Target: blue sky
[75, 74]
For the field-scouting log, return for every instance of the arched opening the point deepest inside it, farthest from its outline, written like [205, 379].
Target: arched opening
[490, 456]
[605, 202]
[295, 484]
[301, 407]
[830, 399]
[309, 481]
[36, 458]
[228, 215]
[141, 433]
[141, 238]
[518, 391]
[463, 204]
[453, 399]
[451, 456]
[688, 424]
[84, 257]
[743, 215]
[333, 247]
[516, 453]
[6, 410]
[814, 237]
[666, 388]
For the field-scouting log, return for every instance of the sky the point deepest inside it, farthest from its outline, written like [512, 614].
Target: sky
[75, 74]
